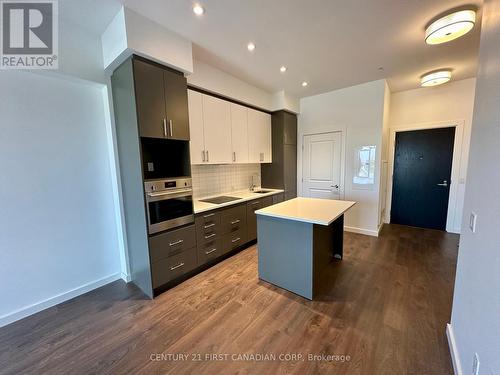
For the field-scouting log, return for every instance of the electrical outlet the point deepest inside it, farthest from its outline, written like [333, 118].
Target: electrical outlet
[472, 222]
[475, 364]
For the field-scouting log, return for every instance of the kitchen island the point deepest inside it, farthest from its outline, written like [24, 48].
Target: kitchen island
[298, 239]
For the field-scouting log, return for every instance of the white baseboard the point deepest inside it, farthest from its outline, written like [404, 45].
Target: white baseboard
[52, 301]
[455, 359]
[125, 277]
[368, 232]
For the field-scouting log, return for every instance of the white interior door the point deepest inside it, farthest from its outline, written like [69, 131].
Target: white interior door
[322, 165]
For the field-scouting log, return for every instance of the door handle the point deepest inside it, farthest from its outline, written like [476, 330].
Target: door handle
[445, 183]
[335, 186]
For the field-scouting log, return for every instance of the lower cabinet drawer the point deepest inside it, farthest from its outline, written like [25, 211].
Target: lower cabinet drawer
[209, 250]
[171, 243]
[169, 268]
[234, 219]
[232, 240]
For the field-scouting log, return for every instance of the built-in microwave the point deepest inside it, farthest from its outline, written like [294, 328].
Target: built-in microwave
[164, 158]
[169, 203]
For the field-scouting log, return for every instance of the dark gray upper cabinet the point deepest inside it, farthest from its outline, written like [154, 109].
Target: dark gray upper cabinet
[289, 128]
[176, 105]
[161, 99]
[150, 99]
[282, 172]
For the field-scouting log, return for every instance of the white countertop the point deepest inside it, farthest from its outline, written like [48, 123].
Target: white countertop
[244, 195]
[308, 210]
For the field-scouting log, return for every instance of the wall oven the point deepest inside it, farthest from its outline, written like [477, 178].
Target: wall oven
[169, 203]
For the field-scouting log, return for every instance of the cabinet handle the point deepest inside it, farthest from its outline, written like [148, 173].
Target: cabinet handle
[261, 156]
[164, 127]
[171, 127]
[234, 155]
[236, 240]
[209, 236]
[207, 216]
[235, 222]
[210, 251]
[209, 226]
[176, 242]
[177, 266]
[203, 156]
[208, 159]
[254, 203]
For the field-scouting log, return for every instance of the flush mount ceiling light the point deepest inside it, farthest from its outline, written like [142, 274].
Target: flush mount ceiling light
[450, 27]
[435, 78]
[304, 84]
[283, 69]
[198, 9]
[251, 46]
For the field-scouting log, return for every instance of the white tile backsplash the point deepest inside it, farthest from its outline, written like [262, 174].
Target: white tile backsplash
[217, 179]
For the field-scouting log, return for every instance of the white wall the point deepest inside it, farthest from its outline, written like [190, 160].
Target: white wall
[130, 32]
[358, 111]
[58, 234]
[207, 77]
[475, 320]
[451, 103]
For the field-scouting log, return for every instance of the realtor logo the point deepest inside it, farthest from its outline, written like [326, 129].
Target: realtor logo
[29, 34]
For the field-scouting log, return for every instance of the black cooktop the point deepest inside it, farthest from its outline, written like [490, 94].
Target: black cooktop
[220, 199]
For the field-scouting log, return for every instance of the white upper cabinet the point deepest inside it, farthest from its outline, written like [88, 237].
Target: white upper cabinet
[223, 132]
[217, 130]
[239, 133]
[197, 140]
[259, 137]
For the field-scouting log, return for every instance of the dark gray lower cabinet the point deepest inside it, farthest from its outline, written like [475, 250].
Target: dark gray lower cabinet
[171, 243]
[168, 269]
[214, 234]
[252, 206]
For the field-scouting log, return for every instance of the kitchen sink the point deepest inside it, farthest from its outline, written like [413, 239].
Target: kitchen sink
[261, 191]
[220, 199]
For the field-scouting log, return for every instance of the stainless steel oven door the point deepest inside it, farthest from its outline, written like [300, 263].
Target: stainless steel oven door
[169, 209]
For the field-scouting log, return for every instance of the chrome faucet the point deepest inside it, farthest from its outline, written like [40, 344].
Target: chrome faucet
[253, 183]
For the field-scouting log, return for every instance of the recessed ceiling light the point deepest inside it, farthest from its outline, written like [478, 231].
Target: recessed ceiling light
[435, 78]
[198, 9]
[283, 69]
[450, 27]
[251, 46]
[304, 84]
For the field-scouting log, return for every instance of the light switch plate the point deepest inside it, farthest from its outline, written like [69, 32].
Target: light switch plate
[472, 222]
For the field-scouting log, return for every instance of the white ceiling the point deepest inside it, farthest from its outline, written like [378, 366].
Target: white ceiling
[329, 43]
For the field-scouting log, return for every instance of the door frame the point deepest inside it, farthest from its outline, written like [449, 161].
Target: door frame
[300, 159]
[455, 167]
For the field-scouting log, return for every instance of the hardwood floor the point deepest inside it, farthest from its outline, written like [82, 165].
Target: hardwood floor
[386, 307]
